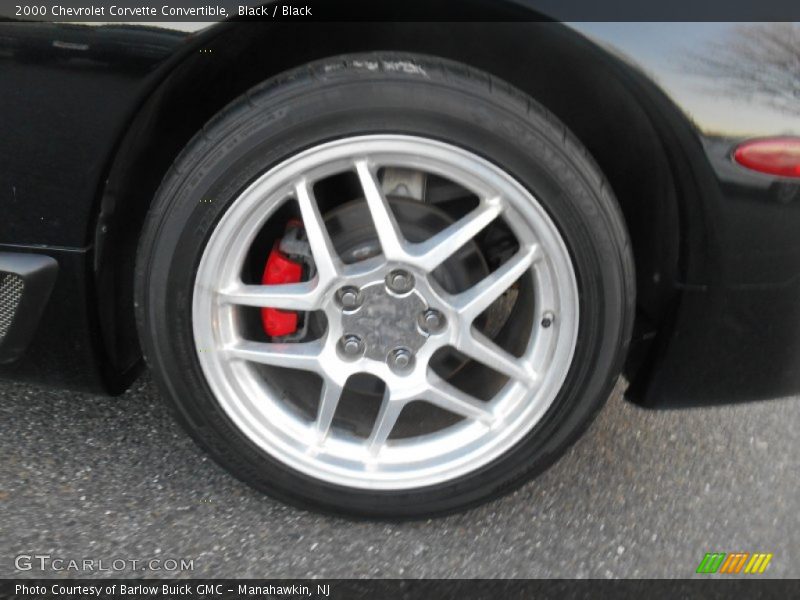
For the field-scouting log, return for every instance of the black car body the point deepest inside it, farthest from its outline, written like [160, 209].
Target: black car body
[93, 114]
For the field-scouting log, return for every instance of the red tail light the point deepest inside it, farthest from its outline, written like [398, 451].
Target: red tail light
[775, 156]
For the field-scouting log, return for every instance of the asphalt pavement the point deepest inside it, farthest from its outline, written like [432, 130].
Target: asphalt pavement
[642, 494]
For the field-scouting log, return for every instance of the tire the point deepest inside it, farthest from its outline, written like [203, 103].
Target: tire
[424, 98]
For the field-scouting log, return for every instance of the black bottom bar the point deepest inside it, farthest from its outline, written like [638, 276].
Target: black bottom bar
[348, 589]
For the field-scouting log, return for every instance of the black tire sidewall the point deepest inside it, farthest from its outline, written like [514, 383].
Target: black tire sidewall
[280, 120]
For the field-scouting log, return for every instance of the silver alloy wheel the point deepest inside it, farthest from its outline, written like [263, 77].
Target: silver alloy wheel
[487, 429]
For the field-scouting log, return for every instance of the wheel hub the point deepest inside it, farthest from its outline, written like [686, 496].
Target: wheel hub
[386, 321]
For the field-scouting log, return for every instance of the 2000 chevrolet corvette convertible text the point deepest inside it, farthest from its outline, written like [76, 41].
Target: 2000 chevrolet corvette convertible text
[388, 270]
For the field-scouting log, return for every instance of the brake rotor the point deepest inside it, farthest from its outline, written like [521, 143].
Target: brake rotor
[354, 238]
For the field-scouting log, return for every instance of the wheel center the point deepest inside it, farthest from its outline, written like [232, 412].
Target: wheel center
[386, 321]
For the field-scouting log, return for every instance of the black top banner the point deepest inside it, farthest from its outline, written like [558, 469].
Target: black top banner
[151, 11]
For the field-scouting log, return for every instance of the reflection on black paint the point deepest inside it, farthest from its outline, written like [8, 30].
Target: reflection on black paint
[66, 88]
[127, 47]
[755, 62]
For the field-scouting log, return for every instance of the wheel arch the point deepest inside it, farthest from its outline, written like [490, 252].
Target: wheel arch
[639, 139]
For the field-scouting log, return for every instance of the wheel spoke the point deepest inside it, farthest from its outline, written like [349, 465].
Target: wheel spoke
[387, 417]
[288, 296]
[325, 257]
[480, 348]
[389, 234]
[434, 251]
[478, 298]
[450, 398]
[304, 356]
[328, 401]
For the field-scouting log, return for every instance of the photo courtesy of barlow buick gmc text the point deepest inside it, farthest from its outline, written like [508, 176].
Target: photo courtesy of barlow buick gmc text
[336, 290]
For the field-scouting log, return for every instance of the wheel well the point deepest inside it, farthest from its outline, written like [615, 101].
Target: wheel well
[585, 87]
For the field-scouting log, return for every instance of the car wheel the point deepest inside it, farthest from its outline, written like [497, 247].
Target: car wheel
[384, 285]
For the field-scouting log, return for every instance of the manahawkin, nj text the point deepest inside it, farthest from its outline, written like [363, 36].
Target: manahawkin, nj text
[170, 590]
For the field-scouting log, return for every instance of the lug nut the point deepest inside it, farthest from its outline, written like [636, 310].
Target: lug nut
[432, 321]
[400, 281]
[349, 297]
[547, 319]
[400, 359]
[352, 345]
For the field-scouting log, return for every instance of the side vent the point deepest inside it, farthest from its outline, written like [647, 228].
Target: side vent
[11, 288]
[26, 281]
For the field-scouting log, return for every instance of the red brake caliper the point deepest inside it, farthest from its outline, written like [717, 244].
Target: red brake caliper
[280, 269]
